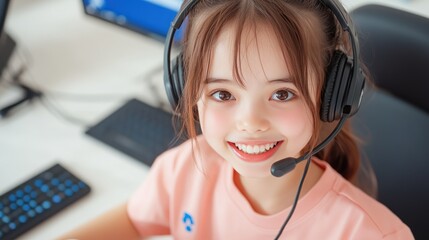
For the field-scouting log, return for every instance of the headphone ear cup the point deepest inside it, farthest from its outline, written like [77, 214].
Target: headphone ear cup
[335, 87]
[178, 79]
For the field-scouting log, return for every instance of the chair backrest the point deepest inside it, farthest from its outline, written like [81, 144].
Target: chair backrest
[393, 120]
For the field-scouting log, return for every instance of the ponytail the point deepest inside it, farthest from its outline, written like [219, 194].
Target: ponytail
[343, 153]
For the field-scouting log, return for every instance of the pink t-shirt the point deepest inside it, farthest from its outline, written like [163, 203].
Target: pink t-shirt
[197, 199]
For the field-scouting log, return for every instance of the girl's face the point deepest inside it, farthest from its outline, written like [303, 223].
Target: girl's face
[253, 126]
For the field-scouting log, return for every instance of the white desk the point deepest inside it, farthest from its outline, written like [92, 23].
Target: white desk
[67, 51]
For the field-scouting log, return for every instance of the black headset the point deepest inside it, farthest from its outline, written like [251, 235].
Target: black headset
[344, 82]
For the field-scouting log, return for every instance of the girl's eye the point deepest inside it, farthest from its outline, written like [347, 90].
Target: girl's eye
[282, 95]
[222, 96]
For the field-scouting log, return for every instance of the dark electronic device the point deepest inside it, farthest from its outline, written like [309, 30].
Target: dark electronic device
[37, 199]
[7, 46]
[138, 130]
[151, 18]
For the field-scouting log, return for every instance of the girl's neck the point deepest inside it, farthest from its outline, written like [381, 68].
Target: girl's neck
[272, 195]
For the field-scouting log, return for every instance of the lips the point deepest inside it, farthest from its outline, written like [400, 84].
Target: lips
[254, 152]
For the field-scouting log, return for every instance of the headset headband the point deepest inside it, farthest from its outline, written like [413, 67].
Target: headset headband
[337, 10]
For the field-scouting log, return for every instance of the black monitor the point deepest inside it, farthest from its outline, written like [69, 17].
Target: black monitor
[149, 17]
[4, 4]
[7, 47]
[7, 44]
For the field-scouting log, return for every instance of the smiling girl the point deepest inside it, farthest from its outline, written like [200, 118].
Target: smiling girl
[255, 78]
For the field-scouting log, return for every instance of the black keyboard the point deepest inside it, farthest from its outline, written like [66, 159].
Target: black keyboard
[38, 198]
[138, 130]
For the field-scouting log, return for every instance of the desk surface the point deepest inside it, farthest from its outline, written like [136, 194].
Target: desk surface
[88, 68]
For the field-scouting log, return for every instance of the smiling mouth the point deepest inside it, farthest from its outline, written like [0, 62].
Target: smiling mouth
[255, 149]
[255, 152]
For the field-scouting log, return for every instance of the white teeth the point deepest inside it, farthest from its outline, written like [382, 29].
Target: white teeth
[255, 149]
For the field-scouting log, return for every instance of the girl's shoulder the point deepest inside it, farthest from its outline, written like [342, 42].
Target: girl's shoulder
[353, 205]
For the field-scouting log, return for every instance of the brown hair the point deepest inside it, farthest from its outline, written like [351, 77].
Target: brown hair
[308, 33]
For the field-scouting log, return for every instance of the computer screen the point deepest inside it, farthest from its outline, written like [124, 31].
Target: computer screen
[149, 17]
[3, 9]
[7, 44]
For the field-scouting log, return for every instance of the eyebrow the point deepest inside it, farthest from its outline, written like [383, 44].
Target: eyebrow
[213, 80]
[220, 80]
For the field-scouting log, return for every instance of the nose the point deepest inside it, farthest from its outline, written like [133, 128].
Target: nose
[252, 119]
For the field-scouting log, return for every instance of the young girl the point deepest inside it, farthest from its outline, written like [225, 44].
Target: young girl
[255, 79]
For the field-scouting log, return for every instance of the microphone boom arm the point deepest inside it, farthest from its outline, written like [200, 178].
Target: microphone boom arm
[286, 165]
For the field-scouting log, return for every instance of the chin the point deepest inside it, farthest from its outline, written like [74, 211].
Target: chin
[253, 170]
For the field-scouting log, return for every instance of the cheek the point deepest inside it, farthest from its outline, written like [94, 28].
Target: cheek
[212, 120]
[295, 123]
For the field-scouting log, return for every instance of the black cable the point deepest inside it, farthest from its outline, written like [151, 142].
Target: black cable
[295, 202]
[60, 113]
[55, 110]
[29, 94]
[44, 95]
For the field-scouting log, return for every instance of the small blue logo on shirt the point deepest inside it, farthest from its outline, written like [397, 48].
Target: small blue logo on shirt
[188, 221]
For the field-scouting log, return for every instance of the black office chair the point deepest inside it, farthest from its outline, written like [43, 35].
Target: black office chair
[393, 121]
